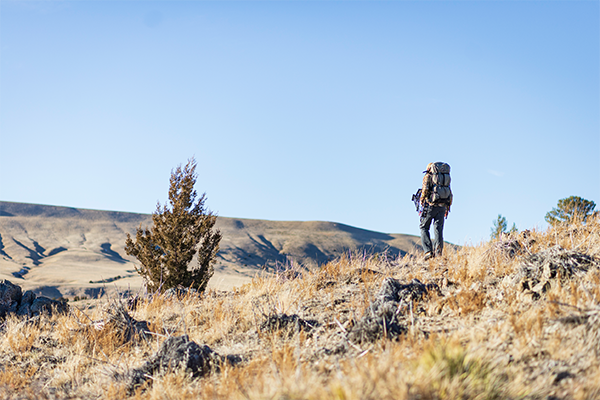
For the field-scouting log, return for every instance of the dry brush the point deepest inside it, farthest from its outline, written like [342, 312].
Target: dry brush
[518, 318]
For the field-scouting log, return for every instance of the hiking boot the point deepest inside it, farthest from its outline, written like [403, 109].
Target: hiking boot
[429, 255]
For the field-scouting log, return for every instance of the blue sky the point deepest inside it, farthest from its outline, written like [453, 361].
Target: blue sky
[303, 110]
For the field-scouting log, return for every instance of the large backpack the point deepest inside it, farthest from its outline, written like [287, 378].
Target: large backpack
[441, 192]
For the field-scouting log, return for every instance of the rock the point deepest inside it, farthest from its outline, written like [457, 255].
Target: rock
[13, 301]
[292, 322]
[26, 301]
[562, 376]
[394, 294]
[45, 305]
[382, 318]
[28, 297]
[10, 297]
[538, 270]
[177, 353]
[555, 262]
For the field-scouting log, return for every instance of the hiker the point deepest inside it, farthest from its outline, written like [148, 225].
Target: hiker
[436, 198]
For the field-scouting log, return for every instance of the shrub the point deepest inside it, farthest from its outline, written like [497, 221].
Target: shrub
[181, 230]
[570, 209]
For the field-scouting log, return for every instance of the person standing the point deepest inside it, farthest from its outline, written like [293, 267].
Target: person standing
[436, 199]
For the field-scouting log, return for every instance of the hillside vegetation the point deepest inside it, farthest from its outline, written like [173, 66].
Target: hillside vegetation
[514, 318]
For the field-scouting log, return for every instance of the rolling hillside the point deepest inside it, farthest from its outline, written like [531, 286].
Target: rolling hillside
[62, 251]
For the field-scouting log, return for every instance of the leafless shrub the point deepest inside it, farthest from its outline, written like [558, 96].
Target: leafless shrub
[376, 324]
[118, 319]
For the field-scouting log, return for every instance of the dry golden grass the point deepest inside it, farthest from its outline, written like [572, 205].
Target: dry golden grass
[484, 335]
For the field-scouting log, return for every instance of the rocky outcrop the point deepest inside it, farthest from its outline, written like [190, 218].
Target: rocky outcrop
[538, 271]
[14, 301]
[10, 298]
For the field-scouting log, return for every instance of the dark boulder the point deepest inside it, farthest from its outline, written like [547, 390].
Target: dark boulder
[26, 301]
[10, 297]
[394, 291]
[45, 305]
[13, 301]
[177, 353]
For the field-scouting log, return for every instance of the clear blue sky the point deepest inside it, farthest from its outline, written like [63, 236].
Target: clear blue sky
[303, 110]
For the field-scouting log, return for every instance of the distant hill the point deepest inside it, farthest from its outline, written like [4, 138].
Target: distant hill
[63, 251]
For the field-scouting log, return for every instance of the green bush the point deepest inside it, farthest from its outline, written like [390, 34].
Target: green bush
[181, 230]
[571, 209]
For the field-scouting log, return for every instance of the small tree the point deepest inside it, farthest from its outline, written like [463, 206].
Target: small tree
[182, 229]
[500, 226]
[570, 209]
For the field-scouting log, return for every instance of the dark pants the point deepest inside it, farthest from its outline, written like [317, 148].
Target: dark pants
[435, 214]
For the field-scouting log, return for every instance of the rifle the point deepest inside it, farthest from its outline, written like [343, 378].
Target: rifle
[416, 198]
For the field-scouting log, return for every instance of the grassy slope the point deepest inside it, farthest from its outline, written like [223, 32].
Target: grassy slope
[483, 337]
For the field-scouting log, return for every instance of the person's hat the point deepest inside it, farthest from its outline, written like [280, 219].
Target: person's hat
[428, 167]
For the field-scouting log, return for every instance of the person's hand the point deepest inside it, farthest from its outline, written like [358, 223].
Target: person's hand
[447, 211]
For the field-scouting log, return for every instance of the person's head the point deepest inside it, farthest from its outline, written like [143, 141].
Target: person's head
[428, 169]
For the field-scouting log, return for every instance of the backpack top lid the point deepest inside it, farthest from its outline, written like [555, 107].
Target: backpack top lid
[438, 168]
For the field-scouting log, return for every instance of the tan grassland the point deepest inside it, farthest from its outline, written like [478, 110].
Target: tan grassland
[498, 328]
